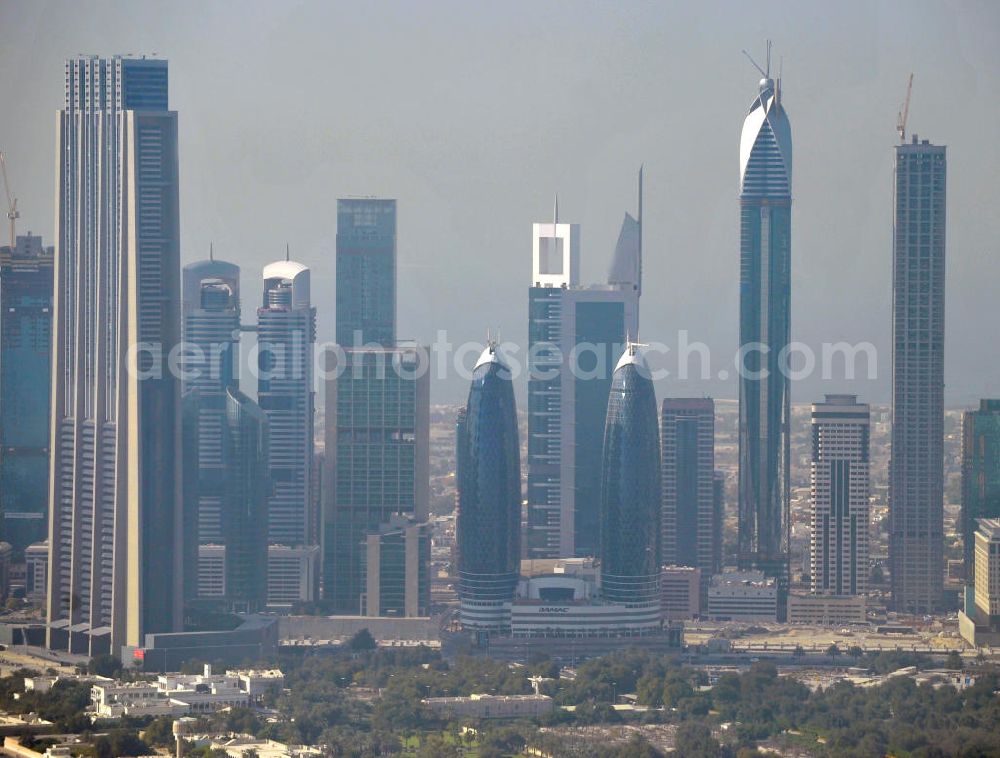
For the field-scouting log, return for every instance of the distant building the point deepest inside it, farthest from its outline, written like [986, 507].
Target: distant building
[765, 318]
[743, 596]
[397, 560]
[245, 502]
[488, 480]
[631, 503]
[286, 332]
[980, 474]
[116, 562]
[377, 459]
[987, 572]
[840, 500]
[366, 272]
[6, 554]
[719, 518]
[826, 610]
[681, 592]
[36, 575]
[690, 525]
[292, 574]
[210, 364]
[575, 335]
[490, 706]
[916, 468]
[25, 372]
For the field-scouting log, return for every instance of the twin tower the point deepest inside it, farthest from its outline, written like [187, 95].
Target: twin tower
[488, 477]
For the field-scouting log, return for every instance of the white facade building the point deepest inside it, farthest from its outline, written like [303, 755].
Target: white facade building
[840, 496]
[743, 596]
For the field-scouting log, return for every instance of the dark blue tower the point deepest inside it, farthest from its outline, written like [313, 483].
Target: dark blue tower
[630, 487]
[489, 497]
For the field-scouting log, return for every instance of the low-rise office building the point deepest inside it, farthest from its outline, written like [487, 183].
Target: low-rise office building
[743, 596]
[490, 706]
[680, 588]
[826, 610]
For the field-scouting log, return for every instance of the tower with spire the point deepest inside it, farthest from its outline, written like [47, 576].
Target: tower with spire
[765, 180]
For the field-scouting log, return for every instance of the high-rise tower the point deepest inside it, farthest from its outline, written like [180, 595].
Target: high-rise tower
[690, 521]
[115, 482]
[916, 468]
[630, 487]
[840, 509]
[211, 329]
[575, 335]
[765, 294]
[25, 371]
[366, 272]
[488, 478]
[286, 333]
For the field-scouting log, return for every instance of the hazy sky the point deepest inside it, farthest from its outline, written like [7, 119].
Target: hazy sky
[474, 114]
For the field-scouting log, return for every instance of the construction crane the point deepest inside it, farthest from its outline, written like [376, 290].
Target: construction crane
[901, 116]
[12, 212]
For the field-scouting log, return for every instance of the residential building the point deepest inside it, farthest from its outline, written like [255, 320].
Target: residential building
[36, 574]
[916, 468]
[116, 557]
[680, 588]
[840, 496]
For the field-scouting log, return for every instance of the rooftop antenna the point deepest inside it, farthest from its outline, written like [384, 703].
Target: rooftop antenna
[750, 58]
[555, 210]
[211, 251]
[902, 115]
[288, 255]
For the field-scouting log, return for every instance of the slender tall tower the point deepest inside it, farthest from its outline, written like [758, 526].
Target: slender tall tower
[630, 488]
[689, 491]
[366, 272]
[25, 370]
[765, 294]
[286, 333]
[916, 468]
[115, 476]
[211, 328]
[489, 497]
[840, 464]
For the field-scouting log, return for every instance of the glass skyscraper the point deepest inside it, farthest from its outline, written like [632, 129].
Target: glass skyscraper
[980, 473]
[765, 300]
[366, 272]
[488, 478]
[115, 503]
[575, 335]
[25, 370]
[631, 503]
[211, 327]
[245, 502]
[286, 335]
[377, 459]
[916, 467]
[690, 521]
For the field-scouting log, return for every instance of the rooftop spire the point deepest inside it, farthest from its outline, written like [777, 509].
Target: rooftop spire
[555, 210]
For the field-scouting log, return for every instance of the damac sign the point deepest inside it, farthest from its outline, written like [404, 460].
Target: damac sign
[553, 609]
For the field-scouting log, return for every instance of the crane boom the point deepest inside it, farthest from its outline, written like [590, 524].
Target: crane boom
[12, 212]
[903, 114]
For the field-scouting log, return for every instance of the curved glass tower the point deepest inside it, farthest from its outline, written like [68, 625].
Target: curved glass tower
[630, 487]
[765, 294]
[489, 497]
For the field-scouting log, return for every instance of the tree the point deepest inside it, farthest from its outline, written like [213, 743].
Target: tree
[362, 640]
[105, 665]
[695, 740]
[855, 651]
[954, 661]
[833, 651]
